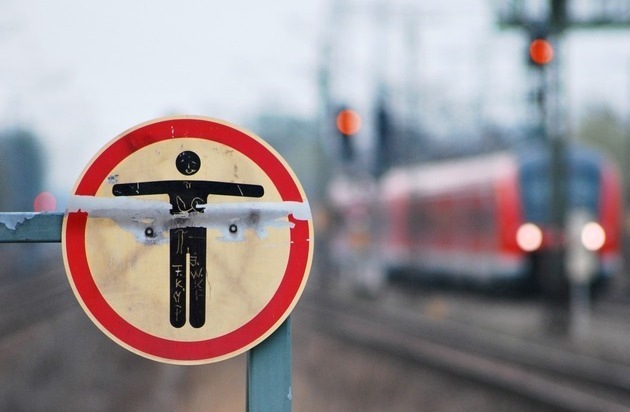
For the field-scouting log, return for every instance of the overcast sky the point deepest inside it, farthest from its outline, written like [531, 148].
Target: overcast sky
[80, 72]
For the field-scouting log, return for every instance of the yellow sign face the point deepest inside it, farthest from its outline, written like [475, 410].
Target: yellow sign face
[188, 240]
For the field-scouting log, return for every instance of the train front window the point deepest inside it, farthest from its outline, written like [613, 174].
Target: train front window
[582, 189]
[535, 189]
[583, 183]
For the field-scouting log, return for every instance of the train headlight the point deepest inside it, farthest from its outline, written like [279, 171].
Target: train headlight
[593, 236]
[529, 237]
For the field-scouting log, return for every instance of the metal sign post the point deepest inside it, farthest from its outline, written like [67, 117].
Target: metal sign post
[269, 373]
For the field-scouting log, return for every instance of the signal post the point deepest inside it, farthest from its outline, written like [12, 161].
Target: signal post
[544, 27]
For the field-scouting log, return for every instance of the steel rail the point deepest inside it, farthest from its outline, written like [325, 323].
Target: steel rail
[524, 373]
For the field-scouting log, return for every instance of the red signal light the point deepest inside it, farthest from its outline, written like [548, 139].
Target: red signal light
[541, 51]
[348, 122]
[45, 202]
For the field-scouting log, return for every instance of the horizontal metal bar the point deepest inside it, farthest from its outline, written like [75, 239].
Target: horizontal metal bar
[19, 227]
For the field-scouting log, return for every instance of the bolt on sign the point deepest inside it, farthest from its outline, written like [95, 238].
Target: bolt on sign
[187, 240]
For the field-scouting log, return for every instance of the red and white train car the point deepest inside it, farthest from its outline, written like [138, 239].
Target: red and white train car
[487, 219]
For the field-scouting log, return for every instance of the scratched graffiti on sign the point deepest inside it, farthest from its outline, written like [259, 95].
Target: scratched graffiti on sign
[184, 217]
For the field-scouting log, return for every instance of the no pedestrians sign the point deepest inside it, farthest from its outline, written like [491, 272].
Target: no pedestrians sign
[188, 240]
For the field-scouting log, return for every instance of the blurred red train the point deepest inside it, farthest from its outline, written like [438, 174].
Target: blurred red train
[484, 220]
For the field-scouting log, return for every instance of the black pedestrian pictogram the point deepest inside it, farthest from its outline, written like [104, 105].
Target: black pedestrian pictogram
[187, 244]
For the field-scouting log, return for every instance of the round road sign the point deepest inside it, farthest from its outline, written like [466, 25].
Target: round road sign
[187, 240]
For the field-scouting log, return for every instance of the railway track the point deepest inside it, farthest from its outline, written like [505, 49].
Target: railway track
[547, 374]
[613, 309]
[550, 375]
[37, 298]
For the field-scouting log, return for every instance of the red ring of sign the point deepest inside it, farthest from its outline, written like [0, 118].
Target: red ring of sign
[267, 320]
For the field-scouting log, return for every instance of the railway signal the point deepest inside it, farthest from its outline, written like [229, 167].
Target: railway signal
[557, 20]
[348, 124]
[540, 51]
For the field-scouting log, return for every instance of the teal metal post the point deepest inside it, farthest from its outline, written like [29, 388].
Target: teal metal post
[269, 373]
[268, 363]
